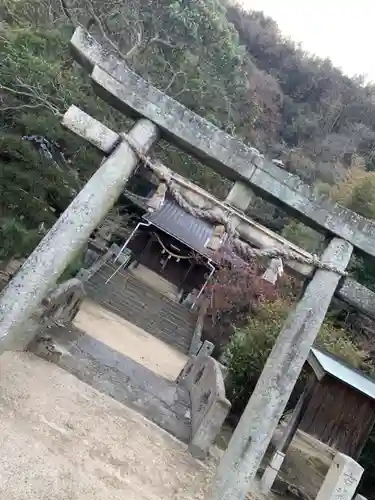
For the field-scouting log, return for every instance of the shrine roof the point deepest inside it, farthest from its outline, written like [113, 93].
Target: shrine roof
[192, 232]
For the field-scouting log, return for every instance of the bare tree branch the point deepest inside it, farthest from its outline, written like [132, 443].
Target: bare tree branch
[135, 50]
[31, 93]
[175, 75]
[167, 43]
[22, 106]
[173, 79]
[142, 42]
[103, 32]
[65, 9]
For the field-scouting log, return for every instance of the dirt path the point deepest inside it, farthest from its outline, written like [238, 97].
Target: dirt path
[61, 439]
[129, 340]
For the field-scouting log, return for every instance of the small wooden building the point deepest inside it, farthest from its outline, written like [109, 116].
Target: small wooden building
[337, 407]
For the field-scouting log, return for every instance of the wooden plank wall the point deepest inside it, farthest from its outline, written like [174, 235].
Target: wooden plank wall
[339, 416]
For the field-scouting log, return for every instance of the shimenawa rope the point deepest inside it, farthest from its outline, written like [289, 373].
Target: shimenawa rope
[218, 216]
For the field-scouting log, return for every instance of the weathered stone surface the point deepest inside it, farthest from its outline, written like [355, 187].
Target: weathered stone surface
[132, 95]
[357, 296]
[125, 380]
[90, 129]
[60, 306]
[240, 196]
[47, 262]
[206, 349]
[253, 434]
[209, 406]
[270, 473]
[342, 479]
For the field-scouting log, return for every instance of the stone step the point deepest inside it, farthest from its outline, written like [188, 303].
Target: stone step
[126, 283]
[175, 337]
[141, 305]
[116, 375]
[137, 299]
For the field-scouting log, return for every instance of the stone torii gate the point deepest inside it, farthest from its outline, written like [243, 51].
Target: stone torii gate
[157, 115]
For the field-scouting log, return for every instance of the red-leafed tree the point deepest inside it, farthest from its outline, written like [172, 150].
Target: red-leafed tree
[236, 291]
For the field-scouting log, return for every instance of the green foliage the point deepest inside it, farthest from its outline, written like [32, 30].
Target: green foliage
[230, 66]
[363, 197]
[357, 192]
[32, 191]
[37, 82]
[248, 351]
[303, 236]
[31, 187]
[16, 240]
[75, 265]
[362, 268]
[251, 345]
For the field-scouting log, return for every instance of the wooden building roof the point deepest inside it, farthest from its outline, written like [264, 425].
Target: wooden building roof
[323, 363]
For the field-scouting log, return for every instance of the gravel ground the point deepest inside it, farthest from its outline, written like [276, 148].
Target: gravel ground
[60, 439]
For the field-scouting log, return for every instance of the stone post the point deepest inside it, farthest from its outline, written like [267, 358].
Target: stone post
[68, 235]
[342, 479]
[206, 349]
[253, 434]
[240, 196]
[271, 471]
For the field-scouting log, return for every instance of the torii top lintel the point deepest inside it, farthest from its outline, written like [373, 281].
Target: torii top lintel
[131, 94]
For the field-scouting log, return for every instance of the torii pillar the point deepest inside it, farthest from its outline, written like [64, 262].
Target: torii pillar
[239, 464]
[56, 250]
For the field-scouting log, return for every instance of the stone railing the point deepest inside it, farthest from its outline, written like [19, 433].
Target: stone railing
[59, 307]
[196, 341]
[63, 302]
[203, 378]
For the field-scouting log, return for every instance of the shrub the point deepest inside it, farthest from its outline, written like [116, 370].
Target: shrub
[248, 350]
[16, 240]
[250, 346]
[236, 290]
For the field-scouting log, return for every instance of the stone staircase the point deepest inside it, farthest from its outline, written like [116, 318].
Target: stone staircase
[78, 416]
[136, 302]
[118, 376]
